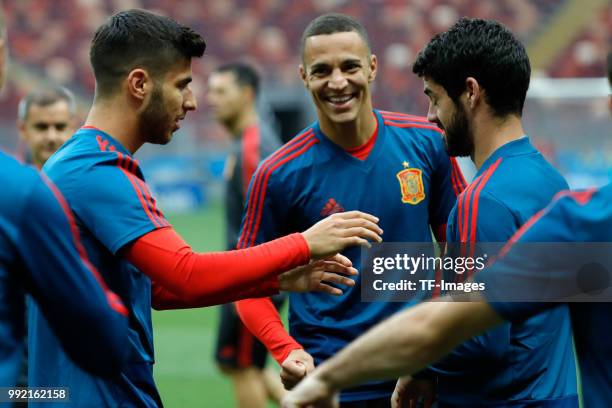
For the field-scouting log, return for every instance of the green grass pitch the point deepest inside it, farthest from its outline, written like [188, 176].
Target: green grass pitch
[184, 370]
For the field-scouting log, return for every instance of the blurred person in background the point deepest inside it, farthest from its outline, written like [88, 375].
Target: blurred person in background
[232, 95]
[46, 119]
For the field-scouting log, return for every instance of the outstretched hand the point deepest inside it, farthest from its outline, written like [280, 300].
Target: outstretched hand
[342, 230]
[317, 275]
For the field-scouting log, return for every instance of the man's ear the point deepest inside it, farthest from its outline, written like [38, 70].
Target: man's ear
[139, 83]
[21, 128]
[303, 75]
[373, 68]
[474, 92]
[249, 94]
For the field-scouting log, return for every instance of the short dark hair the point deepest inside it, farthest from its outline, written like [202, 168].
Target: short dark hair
[333, 23]
[46, 97]
[244, 73]
[484, 50]
[139, 38]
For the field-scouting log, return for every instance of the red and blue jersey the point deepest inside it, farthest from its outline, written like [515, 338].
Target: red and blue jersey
[407, 180]
[254, 144]
[573, 217]
[41, 254]
[529, 362]
[105, 189]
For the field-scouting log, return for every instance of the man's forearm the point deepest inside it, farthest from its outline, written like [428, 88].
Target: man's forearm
[407, 342]
[263, 320]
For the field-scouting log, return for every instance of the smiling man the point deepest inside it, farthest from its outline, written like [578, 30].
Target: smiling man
[353, 158]
[142, 66]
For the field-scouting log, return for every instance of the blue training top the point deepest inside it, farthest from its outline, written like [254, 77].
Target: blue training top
[40, 254]
[527, 363]
[580, 217]
[105, 189]
[408, 181]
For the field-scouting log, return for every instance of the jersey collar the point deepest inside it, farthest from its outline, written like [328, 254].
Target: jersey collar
[92, 130]
[338, 152]
[514, 148]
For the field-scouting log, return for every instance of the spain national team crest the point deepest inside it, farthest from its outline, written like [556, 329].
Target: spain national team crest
[411, 183]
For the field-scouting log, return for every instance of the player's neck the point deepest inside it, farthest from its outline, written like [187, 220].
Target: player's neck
[238, 124]
[350, 134]
[490, 135]
[110, 117]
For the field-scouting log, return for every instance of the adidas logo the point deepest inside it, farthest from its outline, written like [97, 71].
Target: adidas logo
[331, 207]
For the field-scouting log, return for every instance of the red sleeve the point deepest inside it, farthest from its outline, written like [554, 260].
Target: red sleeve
[218, 277]
[262, 319]
[163, 299]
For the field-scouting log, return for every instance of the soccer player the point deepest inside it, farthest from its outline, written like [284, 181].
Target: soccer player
[46, 119]
[436, 328]
[524, 362]
[232, 95]
[142, 66]
[41, 254]
[354, 157]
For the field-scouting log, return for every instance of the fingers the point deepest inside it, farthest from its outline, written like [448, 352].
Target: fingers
[337, 279]
[294, 368]
[358, 214]
[341, 230]
[341, 259]
[402, 397]
[289, 381]
[292, 372]
[359, 222]
[334, 267]
[330, 290]
[362, 233]
[356, 241]
[397, 397]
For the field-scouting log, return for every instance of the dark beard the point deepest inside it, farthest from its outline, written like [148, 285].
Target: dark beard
[154, 121]
[459, 139]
